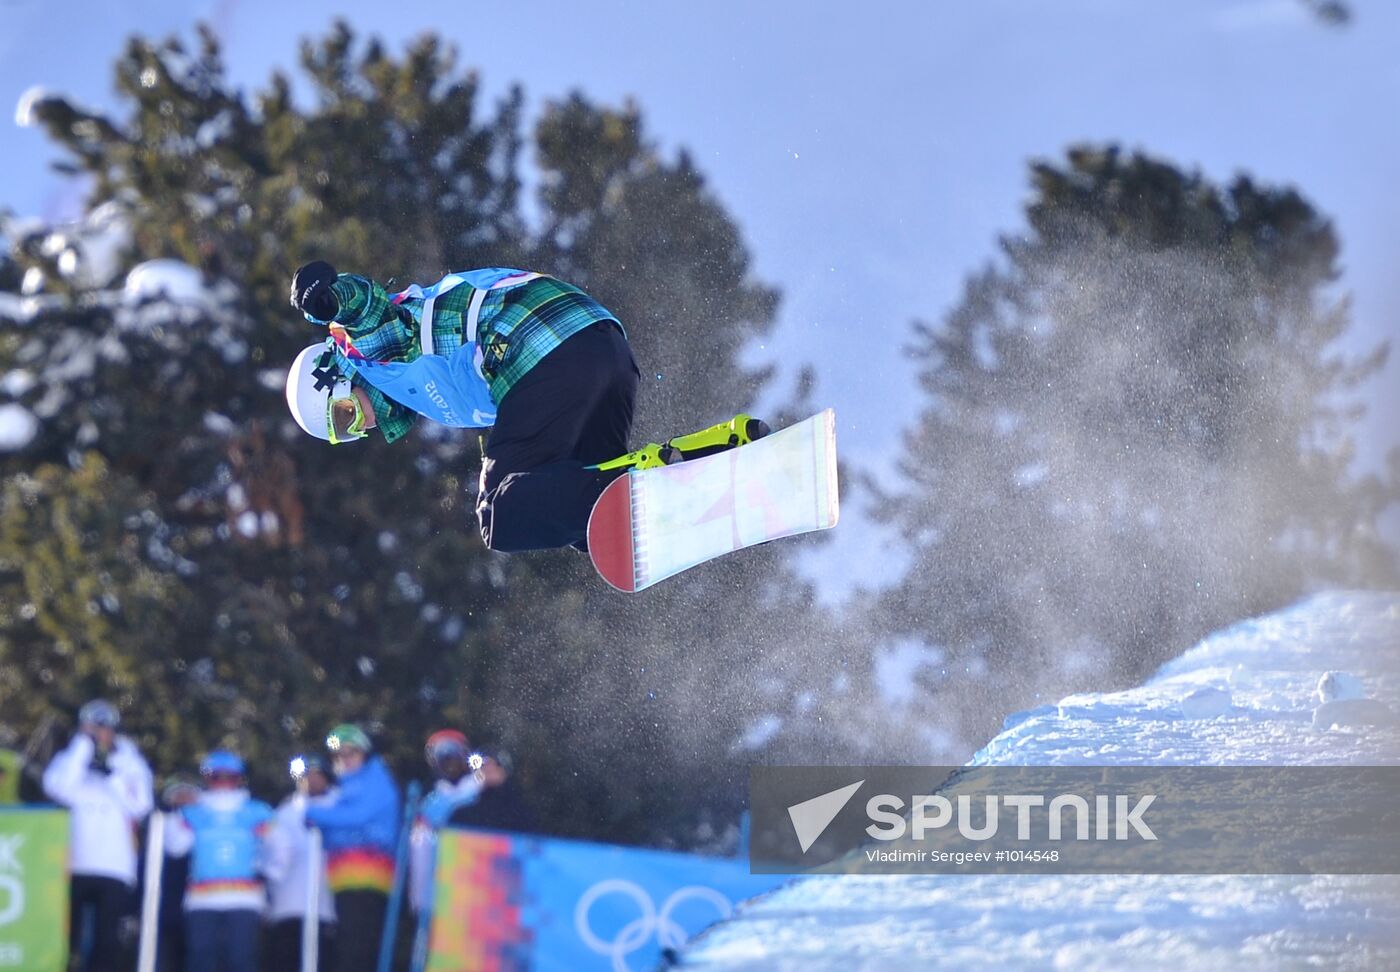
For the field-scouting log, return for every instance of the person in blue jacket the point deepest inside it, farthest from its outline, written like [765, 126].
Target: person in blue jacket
[223, 833]
[360, 834]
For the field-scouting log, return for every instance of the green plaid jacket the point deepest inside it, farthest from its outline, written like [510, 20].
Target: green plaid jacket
[516, 328]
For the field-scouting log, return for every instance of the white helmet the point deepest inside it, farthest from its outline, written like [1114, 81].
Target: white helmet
[314, 381]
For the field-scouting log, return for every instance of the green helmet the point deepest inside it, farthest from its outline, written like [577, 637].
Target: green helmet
[348, 734]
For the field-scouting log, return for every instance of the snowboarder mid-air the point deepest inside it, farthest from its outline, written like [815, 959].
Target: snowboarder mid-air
[537, 360]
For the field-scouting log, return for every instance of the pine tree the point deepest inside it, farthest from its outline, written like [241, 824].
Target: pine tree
[306, 585]
[1137, 430]
[79, 597]
[306, 605]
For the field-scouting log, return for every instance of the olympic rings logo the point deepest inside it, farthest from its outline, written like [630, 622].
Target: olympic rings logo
[638, 932]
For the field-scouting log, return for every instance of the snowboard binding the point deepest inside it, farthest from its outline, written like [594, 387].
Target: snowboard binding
[648, 456]
[738, 431]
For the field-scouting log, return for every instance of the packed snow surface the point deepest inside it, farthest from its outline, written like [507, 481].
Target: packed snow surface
[1256, 693]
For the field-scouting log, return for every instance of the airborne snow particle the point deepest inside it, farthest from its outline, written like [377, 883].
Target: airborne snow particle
[760, 732]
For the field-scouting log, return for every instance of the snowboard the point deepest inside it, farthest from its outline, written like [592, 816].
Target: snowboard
[652, 524]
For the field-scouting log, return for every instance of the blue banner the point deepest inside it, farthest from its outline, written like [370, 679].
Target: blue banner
[530, 904]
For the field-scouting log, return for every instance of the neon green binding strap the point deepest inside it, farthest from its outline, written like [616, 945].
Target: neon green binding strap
[648, 456]
[738, 431]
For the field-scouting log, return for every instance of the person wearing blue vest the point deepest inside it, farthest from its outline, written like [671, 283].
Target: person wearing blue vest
[360, 830]
[541, 363]
[223, 833]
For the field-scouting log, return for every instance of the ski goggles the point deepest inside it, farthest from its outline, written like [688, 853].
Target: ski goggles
[345, 416]
[99, 712]
[442, 749]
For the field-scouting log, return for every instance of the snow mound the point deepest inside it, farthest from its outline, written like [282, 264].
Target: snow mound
[1344, 713]
[1339, 685]
[1206, 703]
[1273, 666]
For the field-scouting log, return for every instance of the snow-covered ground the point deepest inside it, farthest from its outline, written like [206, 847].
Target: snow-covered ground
[1256, 693]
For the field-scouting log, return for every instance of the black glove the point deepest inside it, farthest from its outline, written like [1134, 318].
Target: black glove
[311, 290]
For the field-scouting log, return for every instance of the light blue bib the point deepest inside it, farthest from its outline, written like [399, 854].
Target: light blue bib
[450, 390]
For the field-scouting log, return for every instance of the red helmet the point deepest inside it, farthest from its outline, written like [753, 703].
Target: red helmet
[445, 743]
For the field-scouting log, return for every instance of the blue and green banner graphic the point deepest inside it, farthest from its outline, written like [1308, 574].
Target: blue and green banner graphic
[513, 903]
[33, 889]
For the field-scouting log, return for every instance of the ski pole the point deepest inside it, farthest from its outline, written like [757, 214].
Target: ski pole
[150, 898]
[391, 918]
[311, 920]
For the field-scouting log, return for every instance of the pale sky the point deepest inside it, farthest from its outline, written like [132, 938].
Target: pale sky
[871, 152]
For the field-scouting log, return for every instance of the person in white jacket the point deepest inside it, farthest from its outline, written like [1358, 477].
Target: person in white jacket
[289, 869]
[107, 787]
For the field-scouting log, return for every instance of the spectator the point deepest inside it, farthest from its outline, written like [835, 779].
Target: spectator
[106, 785]
[360, 830]
[9, 777]
[458, 783]
[288, 852]
[179, 792]
[499, 805]
[223, 833]
[19, 780]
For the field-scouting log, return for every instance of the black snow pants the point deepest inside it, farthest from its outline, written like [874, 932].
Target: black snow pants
[111, 905]
[359, 917]
[571, 410]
